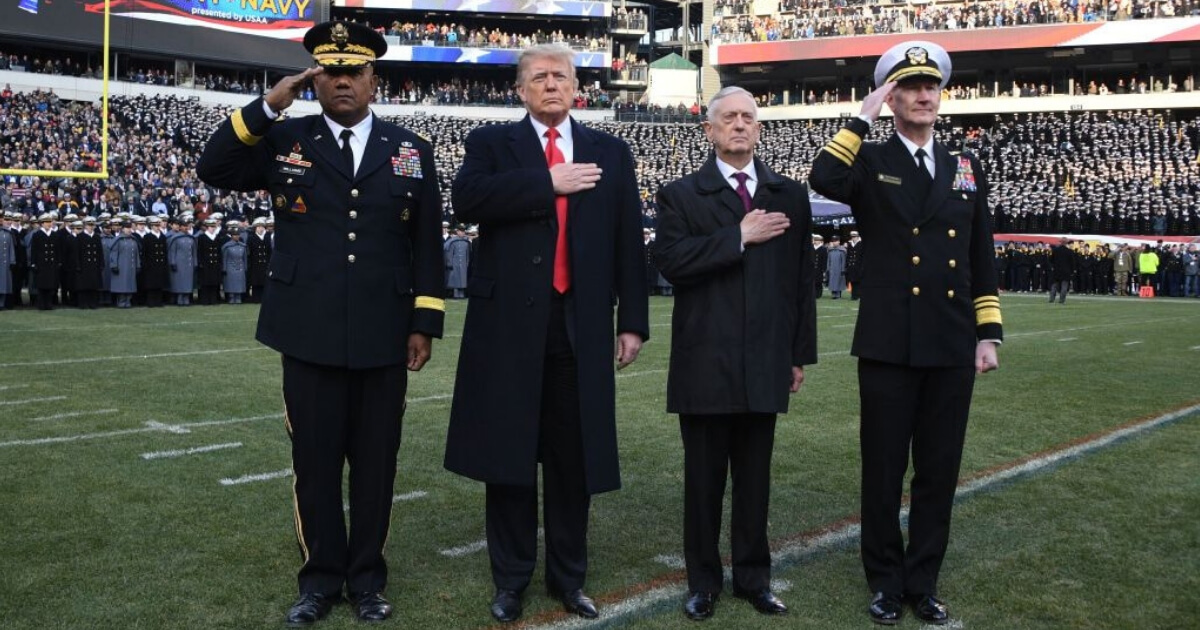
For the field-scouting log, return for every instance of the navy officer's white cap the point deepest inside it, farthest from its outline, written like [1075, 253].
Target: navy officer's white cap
[912, 59]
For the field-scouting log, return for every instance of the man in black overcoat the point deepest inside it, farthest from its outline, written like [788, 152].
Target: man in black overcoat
[734, 239]
[560, 248]
[46, 259]
[354, 299]
[929, 320]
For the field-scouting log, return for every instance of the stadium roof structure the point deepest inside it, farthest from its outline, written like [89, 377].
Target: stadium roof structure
[673, 62]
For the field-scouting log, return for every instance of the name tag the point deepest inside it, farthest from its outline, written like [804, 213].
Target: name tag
[888, 179]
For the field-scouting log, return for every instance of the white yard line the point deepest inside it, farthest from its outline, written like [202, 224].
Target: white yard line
[74, 414]
[190, 451]
[126, 357]
[28, 401]
[792, 552]
[465, 550]
[1131, 343]
[1069, 339]
[4, 388]
[278, 474]
[22, 331]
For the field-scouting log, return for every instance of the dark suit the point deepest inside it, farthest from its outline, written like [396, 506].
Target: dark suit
[45, 260]
[742, 320]
[356, 266]
[155, 270]
[535, 375]
[928, 295]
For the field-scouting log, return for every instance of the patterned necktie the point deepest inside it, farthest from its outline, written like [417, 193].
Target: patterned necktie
[562, 262]
[347, 152]
[743, 191]
[921, 155]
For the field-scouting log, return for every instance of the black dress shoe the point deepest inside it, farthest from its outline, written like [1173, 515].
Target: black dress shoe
[930, 609]
[886, 608]
[764, 601]
[371, 606]
[308, 609]
[576, 603]
[506, 605]
[699, 605]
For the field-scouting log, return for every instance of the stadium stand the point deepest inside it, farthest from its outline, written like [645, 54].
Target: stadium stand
[1087, 172]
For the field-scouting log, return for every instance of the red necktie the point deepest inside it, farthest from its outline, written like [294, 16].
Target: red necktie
[562, 262]
[743, 191]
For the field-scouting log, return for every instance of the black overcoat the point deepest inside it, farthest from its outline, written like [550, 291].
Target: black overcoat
[504, 186]
[742, 319]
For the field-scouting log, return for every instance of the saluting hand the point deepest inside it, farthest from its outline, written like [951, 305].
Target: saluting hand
[419, 349]
[873, 103]
[571, 178]
[760, 226]
[288, 89]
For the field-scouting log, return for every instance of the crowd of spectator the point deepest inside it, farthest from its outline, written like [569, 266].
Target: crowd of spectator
[459, 34]
[1122, 172]
[808, 19]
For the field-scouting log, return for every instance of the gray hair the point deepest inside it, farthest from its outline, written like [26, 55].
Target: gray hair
[541, 51]
[730, 91]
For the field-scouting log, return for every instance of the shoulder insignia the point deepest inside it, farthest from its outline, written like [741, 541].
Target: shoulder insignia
[423, 137]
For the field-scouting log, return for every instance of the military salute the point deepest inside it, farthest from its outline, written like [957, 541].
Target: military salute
[356, 280]
[929, 321]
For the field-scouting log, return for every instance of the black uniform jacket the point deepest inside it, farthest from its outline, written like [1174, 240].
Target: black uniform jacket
[358, 258]
[504, 185]
[742, 320]
[928, 290]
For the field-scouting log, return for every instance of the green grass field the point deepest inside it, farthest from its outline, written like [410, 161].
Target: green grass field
[99, 536]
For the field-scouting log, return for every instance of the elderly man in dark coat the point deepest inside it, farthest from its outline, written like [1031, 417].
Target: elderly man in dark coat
[734, 239]
[560, 245]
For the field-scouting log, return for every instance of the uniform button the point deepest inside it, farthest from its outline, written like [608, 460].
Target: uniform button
[952, 233]
[352, 236]
[350, 258]
[953, 263]
[354, 214]
[410, 194]
[537, 260]
[916, 260]
[289, 180]
[354, 193]
[950, 294]
[916, 290]
[916, 231]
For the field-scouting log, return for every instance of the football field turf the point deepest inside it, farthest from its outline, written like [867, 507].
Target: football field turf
[146, 481]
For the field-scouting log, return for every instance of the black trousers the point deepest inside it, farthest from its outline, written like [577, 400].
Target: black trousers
[923, 410]
[45, 298]
[714, 446]
[336, 416]
[154, 297]
[512, 511]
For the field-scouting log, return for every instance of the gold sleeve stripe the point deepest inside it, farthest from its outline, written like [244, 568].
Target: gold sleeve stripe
[242, 131]
[849, 141]
[839, 153]
[987, 300]
[987, 315]
[432, 303]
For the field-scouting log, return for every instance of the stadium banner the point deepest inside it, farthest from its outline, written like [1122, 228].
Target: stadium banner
[484, 56]
[567, 8]
[234, 31]
[984, 39]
